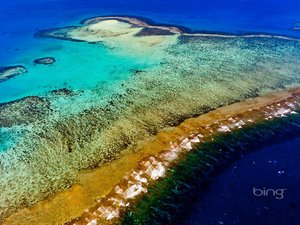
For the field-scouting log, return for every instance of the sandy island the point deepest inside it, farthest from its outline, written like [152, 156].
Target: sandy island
[98, 28]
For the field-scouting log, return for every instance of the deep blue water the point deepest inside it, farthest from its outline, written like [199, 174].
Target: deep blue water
[21, 19]
[230, 199]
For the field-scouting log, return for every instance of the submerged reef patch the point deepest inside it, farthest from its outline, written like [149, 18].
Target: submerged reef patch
[23, 111]
[9, 72]
[153, 31]
[167, 147]
[62, 92]
[45, 61]
[191, 75]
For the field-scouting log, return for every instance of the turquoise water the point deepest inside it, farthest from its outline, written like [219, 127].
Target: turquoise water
[22, 19]
[79, 66]
[77, 61]
[92, 72]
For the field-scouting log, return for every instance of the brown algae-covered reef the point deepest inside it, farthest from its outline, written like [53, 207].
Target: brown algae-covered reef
[155, 167]
[121, 183]
[193, 74]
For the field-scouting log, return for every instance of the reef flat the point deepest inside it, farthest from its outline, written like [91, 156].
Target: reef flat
[23, 111]
[9, 72]
[154, 167]
[181, 76]
[112, 189]
[169, 201]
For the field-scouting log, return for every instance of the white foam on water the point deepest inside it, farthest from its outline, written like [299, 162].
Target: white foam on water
[224, 129]
[171, 155]
[154, 167]
[186, 144]
[137, 177]
[118, 202]
[109, 213]
[156, 172]
[133, 191]
[281, 112]
[93, 222]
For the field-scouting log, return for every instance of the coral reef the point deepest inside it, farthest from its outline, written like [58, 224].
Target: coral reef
[23, 111]
[9, 72]
[168, 146]
[62, 92]
[169, 201]
[193, 74]
[45, 61]
[154, 167]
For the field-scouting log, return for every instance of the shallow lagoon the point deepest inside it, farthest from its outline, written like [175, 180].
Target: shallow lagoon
[79, 66]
